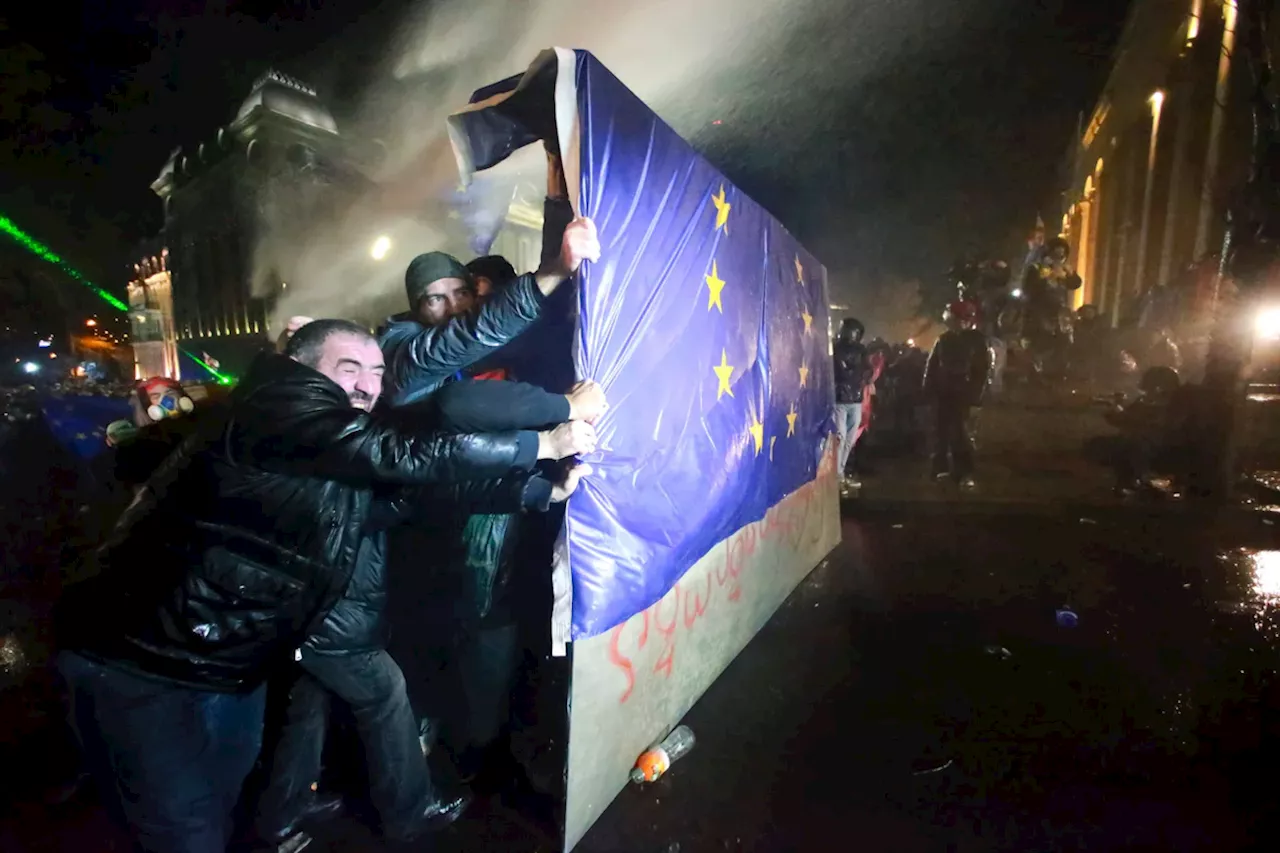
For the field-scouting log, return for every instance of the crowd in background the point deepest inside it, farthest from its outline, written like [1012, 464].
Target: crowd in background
[1012, 333]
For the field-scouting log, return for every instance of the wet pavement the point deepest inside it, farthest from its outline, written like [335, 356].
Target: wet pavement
[933, 645]
[921, 692]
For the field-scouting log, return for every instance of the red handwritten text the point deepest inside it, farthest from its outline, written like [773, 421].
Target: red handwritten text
[793, 522]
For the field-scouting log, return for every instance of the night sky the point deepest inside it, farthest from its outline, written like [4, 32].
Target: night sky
[891, 136]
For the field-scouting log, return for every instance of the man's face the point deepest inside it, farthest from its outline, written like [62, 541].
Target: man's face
[356, 364]
[445, 298]
[1058, 255]
[484, 286]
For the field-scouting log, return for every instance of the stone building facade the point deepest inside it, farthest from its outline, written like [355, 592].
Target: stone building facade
[1164, 146]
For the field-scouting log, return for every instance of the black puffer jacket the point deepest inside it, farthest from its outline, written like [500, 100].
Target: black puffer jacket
[248, 534]
[959, 367]
[852, 371]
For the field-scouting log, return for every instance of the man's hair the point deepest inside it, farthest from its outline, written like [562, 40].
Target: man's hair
[308, 341]
[493, 267]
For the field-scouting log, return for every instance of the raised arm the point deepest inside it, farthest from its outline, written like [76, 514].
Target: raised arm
[433, 353]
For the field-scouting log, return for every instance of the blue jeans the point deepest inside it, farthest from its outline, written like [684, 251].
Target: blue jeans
[848, 419]
[372, 685]
[169, 761]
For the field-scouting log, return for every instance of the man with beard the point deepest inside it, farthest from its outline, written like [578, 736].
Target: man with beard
[433, 352]
[237, 550]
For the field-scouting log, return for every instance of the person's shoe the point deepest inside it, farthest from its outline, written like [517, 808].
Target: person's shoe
[942, 476]
[295, 843]
[968, 484]
[319, 809]
[439, 813]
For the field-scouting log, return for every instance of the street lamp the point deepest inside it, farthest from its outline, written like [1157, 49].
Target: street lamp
[91, 322]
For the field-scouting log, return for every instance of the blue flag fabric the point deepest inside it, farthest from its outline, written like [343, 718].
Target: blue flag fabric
[79, 423]
[706, 323]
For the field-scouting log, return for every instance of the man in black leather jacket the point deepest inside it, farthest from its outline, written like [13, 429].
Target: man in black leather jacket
[236, 552]
[955, 377]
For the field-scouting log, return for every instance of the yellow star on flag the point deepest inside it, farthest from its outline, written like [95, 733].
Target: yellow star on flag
[757, 432]
[722, 210]
[808, 321]
[791, 421]
[799, 270]
[804, 375]
[714, 285]
[724, 371]
[773, 439]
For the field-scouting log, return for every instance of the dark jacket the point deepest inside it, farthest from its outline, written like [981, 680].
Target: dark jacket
[852, 371]
[1046, 310]
[357, 622]
[421, 358]
[249, 533]
[490, 405]
[959, 367]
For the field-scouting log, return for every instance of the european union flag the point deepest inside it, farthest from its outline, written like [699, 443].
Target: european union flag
[704, 320]
[80, 422]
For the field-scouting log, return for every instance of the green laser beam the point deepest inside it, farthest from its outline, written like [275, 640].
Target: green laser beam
[222, 379]
[44, 253]
[40, 250]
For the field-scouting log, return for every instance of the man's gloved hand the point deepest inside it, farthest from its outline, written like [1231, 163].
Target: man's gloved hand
[586, 401]
[561, 491]
[569, 439]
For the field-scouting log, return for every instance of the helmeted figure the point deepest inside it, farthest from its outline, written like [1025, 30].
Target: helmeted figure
[955, 378]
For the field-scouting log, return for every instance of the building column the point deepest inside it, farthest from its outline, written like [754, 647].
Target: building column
[1084, 252]
[1095, 272]
[1123, 222]
[1144, 232]
[1221, 93]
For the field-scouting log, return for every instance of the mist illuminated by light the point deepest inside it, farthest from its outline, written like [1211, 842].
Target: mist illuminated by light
[1266, 573]
[1267, 326]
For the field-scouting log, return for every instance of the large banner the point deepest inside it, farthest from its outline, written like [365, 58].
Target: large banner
[704, 320]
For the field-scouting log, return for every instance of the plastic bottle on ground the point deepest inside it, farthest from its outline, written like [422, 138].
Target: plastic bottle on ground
[656, 760]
